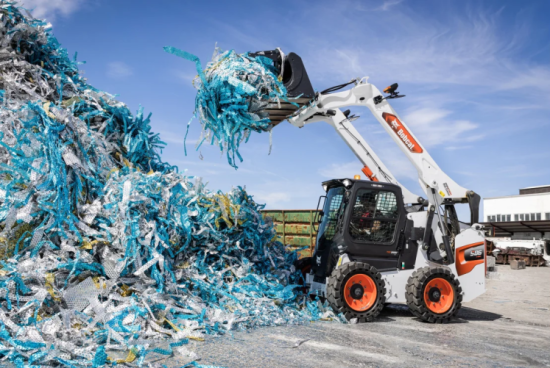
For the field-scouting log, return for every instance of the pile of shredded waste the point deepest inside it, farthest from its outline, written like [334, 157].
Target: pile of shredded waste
[106, 249]
[232, 94]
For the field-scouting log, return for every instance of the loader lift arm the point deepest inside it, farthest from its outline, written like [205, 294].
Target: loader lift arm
[438, 187]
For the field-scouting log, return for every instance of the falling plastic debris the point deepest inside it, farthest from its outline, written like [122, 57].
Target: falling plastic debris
[232, 94]
[106, 249]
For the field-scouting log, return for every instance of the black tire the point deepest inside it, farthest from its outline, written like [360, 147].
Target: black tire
[335, 291]
[415, 294]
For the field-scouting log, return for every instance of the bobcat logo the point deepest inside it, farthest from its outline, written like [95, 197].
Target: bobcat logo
[402, 132]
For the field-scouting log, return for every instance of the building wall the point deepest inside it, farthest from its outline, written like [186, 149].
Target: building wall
[530, 236]
[528, 205]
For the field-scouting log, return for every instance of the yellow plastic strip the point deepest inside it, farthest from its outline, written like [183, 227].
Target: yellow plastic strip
[50, 280]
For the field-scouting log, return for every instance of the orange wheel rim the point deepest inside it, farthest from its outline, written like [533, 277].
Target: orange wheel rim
[360, 292]
[439, 295]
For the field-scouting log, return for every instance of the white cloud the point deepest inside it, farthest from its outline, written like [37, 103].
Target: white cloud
[251, 39]
[118, 69]
[454, 148]
[376, 6]
[433, 127]
[528, 78]
[398, 164]
[272, 199]
[186, 77]
[49, 9]
[171, 137]
[471, 49]
[341, 171]
[280, 193]
[388, 4]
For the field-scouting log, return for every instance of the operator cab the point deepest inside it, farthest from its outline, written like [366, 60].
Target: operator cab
[365, 220]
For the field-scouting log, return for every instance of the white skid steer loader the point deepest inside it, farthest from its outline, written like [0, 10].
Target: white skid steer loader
[377, 242]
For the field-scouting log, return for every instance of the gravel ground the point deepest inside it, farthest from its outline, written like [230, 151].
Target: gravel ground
[509, 326]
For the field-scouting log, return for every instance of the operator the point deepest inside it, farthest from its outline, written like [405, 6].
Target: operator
[363, 226]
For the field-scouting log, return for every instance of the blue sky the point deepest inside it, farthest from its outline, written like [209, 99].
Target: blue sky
[476, 75]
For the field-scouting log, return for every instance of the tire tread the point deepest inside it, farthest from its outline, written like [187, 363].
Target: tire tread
[336, 284]
[415, 298]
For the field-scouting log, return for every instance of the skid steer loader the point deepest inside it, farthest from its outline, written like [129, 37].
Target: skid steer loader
[378, 242]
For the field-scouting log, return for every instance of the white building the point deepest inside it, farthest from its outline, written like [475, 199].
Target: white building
[532, 204]
[520, 222]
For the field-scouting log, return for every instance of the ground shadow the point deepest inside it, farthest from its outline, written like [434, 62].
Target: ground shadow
[395, 310]
[383, 318]
[471, 314]
[464, 314]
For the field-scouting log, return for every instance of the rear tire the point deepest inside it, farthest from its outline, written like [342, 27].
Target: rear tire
[434, 294]
[367, 286]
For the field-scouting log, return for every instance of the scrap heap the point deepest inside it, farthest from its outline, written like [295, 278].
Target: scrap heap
[106, 248]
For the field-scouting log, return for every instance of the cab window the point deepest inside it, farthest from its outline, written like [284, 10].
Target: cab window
[333, 204]
[374, 216]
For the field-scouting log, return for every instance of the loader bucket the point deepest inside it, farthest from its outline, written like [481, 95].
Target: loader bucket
[296, 81]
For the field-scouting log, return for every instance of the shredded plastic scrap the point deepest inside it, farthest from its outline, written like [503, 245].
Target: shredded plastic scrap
[232, 94]
[107, 250]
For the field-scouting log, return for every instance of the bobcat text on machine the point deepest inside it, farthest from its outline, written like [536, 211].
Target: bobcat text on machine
[377, 242]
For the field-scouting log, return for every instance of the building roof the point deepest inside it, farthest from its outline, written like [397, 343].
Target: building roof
[537, 186]
[536, 190]
[519, 195]
[508, 228]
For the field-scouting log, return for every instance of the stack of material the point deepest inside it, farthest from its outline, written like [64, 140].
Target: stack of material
[233, 93]
[106, 248]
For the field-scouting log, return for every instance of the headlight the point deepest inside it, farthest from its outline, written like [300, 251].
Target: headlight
[347, 183]
[325, 187]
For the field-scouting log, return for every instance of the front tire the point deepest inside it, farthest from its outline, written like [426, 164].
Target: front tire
[356, 290]
[434, 294]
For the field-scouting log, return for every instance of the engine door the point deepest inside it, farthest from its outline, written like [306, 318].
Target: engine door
[375, 221]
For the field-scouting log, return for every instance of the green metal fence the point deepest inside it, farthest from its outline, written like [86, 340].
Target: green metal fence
[295, 228]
